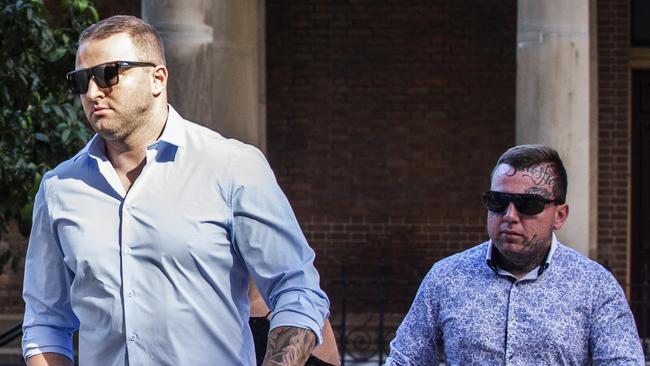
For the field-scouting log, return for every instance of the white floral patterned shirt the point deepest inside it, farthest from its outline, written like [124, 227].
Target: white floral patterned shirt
[570, 311]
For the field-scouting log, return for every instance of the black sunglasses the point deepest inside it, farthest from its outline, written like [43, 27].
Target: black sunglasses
[527, 204]
[105, 75]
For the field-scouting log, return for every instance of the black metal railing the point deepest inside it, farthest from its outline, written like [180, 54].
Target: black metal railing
[366, 311]
[10, 334]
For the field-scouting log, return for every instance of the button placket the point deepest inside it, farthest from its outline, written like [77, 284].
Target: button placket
[510, 322]
[130, 322]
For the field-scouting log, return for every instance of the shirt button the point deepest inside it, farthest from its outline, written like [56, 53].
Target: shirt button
[133, 337]
[127, 250]
[130, 293]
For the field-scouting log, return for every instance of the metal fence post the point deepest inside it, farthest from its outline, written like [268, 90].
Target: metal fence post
[344, 311]
[382, 296]
[645, 296]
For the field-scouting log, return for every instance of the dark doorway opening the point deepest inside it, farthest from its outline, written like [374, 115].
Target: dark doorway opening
[640, 202]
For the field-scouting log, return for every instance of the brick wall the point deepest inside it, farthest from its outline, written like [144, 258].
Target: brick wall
[613, 136]
[384, 120]
[108, 8]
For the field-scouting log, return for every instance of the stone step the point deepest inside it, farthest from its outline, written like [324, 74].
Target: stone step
[11, 356]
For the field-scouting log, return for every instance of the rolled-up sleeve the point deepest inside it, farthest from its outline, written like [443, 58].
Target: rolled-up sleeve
[49, 322]
[269, 239]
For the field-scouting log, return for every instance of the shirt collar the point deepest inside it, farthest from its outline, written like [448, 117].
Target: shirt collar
[540, 269]
[97, 148]
[173, 133]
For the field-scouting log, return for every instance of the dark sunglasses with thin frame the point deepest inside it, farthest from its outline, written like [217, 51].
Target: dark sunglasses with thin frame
[105, 75]
[525, 203]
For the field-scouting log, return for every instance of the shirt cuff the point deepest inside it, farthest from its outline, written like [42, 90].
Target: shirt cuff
[41, 339]
[288, 318]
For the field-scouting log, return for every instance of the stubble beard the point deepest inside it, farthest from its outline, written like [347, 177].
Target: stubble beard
[533, 252]
[121, 126]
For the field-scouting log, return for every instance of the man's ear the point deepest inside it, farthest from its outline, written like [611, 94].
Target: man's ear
[159, 80]
[561, 214]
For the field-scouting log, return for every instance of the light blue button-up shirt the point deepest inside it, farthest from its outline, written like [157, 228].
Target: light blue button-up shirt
[570, 311]
[158, 275]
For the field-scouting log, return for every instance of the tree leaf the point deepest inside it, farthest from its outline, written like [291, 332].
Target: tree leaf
[36, 107]
[56, 54]
[41, 137]
[65, 136]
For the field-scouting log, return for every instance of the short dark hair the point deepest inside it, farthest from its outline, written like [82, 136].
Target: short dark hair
[526, 156]
[145, 37]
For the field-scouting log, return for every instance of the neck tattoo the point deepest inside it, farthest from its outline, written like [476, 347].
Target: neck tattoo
[524, 262]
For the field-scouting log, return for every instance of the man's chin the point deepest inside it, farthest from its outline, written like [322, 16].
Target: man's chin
[510, 247]
[109, 135]
[102, 128]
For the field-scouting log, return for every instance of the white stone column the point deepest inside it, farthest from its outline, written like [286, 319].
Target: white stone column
[556, 101]
[215, 56]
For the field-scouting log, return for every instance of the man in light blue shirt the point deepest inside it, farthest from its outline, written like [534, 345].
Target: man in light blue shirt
[521, 298]
[144, 240]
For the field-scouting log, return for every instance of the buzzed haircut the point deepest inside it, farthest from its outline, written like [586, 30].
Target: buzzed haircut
[526, 156]
[145, 37]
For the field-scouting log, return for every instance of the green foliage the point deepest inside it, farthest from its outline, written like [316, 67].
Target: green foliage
[41, 122]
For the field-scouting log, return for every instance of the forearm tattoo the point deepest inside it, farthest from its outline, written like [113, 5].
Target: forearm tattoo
[289, 346]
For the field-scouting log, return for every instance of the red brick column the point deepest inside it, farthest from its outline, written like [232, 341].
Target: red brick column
[613, 134]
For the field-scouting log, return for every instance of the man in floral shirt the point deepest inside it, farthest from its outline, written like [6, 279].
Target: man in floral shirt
[521, 298]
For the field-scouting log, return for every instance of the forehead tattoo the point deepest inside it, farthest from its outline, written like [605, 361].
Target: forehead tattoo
[544, 192]
[542, 176]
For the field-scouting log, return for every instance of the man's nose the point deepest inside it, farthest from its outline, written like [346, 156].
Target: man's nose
[511, 213]
[94, 90]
